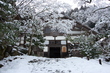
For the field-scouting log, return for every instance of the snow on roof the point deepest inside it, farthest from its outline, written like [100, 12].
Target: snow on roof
[56, 38]
[76, 32]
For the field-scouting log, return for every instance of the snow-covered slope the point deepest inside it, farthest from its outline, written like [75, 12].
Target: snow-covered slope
[32, 64]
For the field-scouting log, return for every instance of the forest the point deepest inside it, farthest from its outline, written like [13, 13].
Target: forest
[25, 20]
[22, 24]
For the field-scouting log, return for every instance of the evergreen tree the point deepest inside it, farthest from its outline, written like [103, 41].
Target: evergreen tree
[87, 45]
[8, 27]
[7, 10]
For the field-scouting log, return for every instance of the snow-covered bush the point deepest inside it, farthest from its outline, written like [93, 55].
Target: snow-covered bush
[87, 45]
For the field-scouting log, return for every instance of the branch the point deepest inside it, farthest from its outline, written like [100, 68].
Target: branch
[88, 1]
[28, 3]
[42, 11]
[22, 2]
[107, 17]
[101, 9]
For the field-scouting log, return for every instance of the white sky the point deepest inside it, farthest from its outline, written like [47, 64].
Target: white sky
[72, 3]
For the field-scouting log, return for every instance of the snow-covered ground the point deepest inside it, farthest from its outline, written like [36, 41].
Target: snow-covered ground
[33, 64]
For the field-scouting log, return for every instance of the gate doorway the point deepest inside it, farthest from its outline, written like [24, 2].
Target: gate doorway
[55, 52]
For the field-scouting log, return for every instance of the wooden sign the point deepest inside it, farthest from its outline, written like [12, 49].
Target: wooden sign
[64, 49]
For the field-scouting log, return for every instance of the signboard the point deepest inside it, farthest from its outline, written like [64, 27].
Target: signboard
[64, 49]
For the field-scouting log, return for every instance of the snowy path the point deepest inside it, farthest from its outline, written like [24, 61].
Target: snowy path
[32, 64]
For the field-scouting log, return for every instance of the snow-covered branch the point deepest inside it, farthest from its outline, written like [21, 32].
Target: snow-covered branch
[101, 9]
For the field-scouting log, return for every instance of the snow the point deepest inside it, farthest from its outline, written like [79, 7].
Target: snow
[63, 42]
[45, 49]
[32, 64]
[49, 37]
[56, 38]
[60, 38]
[46, 42]
[2, 3]
[76, 32]
[72, 3]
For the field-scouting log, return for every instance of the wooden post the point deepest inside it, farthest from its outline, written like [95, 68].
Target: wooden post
[100, 62]
[88, 58]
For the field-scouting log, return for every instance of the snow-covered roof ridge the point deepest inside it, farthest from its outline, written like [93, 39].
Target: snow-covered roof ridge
[84, 27]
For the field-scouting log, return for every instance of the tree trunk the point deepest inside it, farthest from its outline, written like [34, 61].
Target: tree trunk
[29, 51]
[24, 40]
